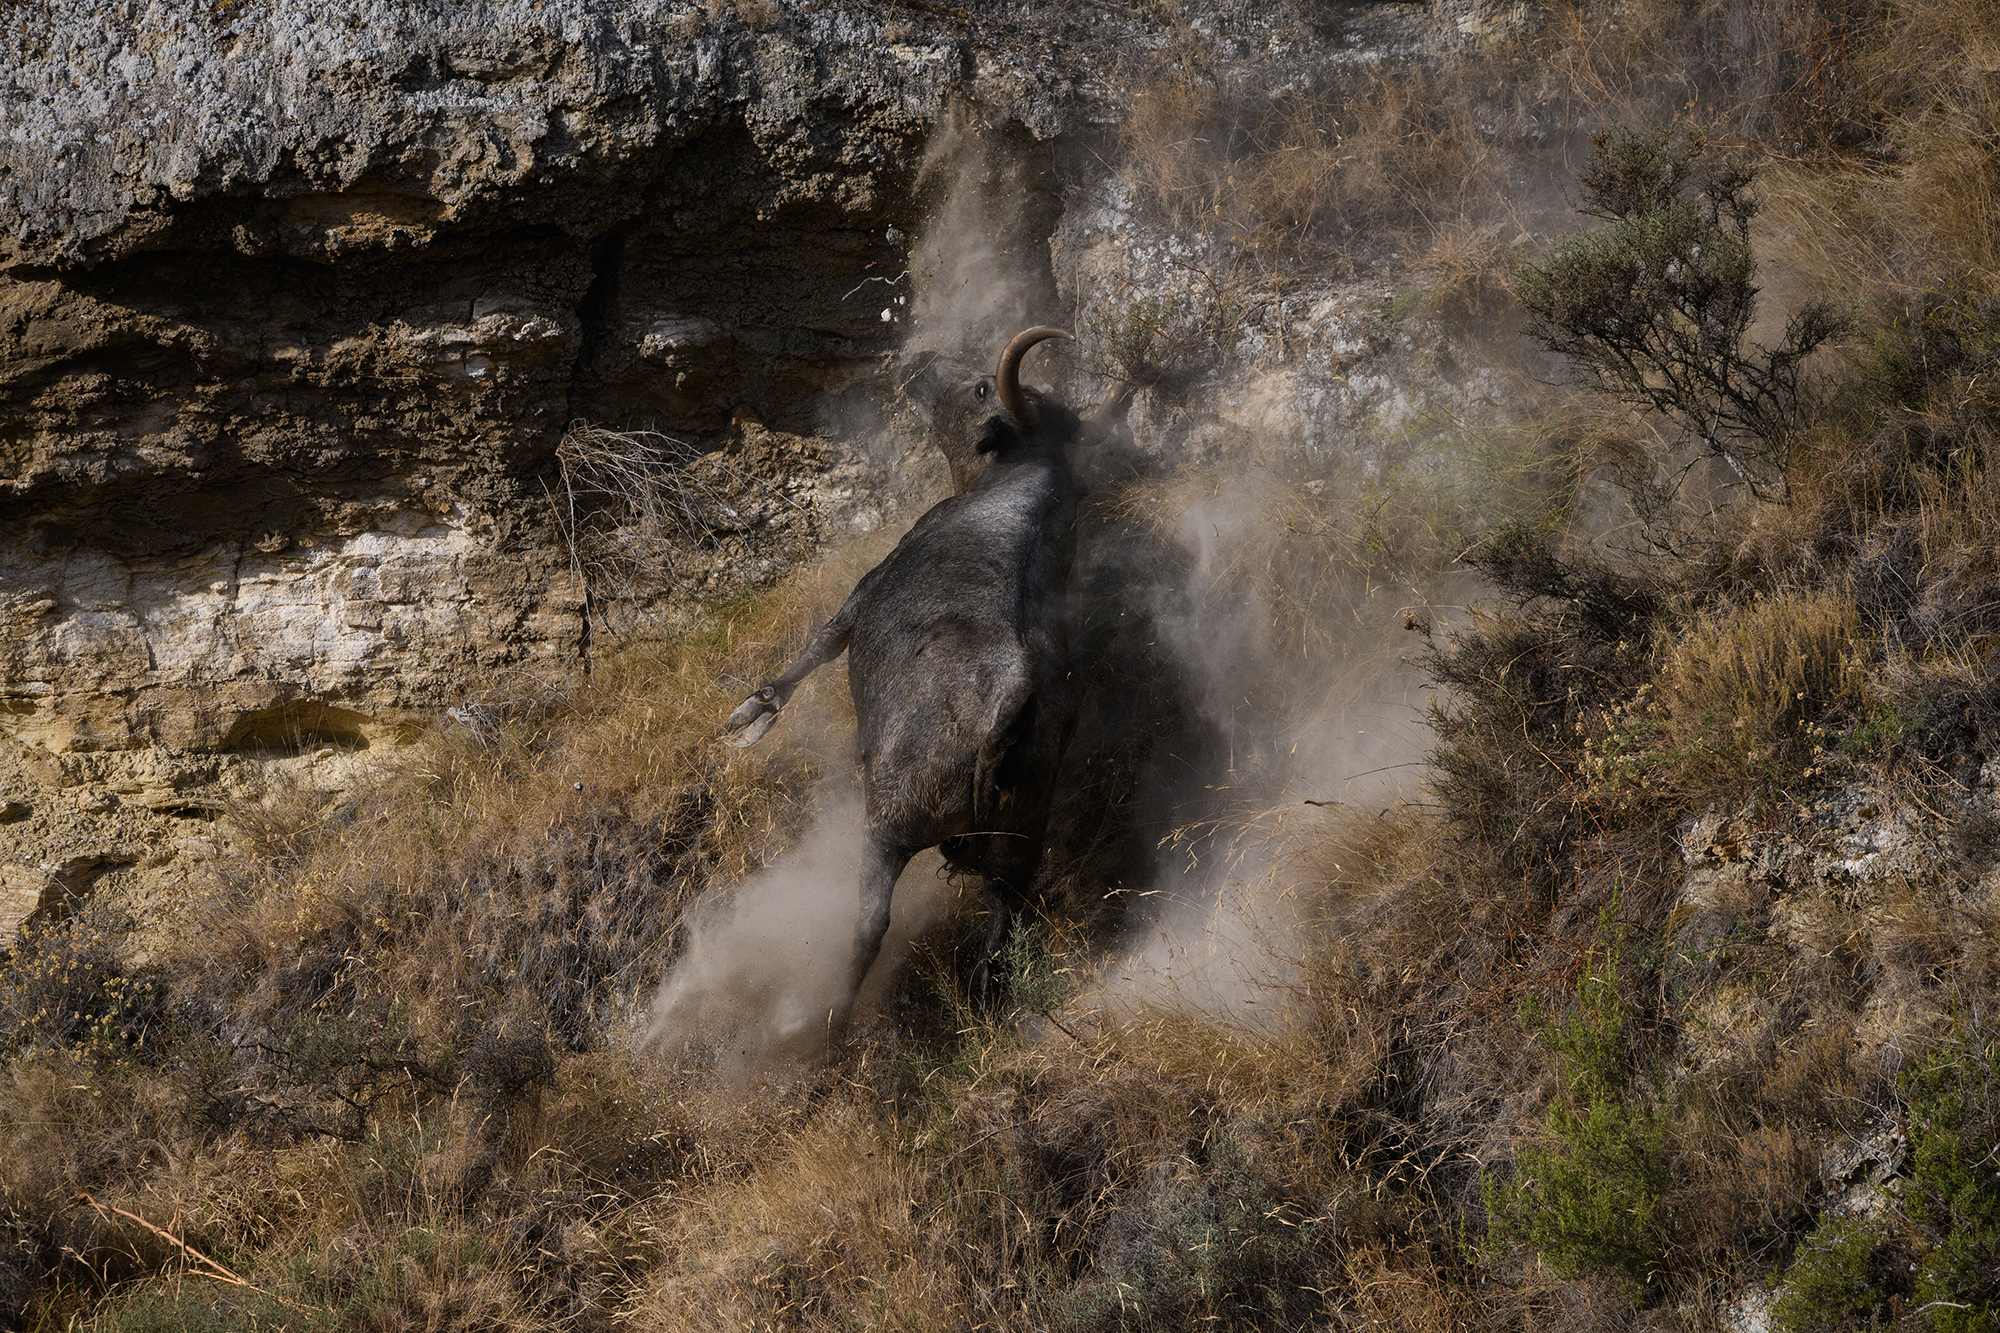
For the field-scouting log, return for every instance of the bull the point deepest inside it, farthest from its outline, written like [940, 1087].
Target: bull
[958, 658]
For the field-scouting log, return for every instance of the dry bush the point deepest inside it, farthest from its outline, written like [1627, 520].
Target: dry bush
[1741, 692]
[1467, 271]
[1286, 179]
[637, 510]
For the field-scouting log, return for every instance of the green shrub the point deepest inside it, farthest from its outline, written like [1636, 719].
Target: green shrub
[1855, 1272]
[1587, 1198]
[1954, 1191]
[1656, 307]
[1843, 1277]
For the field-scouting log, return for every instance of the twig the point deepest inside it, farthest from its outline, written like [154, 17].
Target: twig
[215, 1270]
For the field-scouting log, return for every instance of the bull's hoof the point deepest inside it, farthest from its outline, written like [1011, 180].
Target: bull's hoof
[752, 718]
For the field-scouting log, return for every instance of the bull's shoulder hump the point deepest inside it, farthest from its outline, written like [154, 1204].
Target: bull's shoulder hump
[1014, 507]
[1023, 498]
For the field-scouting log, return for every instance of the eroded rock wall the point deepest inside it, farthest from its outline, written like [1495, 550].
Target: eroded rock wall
[298, 302]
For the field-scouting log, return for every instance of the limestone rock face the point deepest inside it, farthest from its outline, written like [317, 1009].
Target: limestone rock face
[295, 306]
[224, 645]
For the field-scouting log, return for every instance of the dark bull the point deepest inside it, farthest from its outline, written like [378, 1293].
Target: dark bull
[958, 657]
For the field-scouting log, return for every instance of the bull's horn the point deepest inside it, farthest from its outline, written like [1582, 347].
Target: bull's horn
[1007, 375]
[1117, 400]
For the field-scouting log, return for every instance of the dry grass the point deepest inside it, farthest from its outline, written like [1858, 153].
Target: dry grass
[1290, 180]
[1457, 164]
[833, 1226]
[1741, 699]
[397, 991]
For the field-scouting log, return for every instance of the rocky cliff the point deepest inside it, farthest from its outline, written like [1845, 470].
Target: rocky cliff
[296, 307]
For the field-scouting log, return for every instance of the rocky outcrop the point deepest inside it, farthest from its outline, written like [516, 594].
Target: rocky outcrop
[1884, 883]
[297, 304]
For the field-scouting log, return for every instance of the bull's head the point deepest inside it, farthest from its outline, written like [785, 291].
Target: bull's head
[976, 421]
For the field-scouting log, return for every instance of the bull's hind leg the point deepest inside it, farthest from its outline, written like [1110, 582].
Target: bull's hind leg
[1011, 865]
[882, 864]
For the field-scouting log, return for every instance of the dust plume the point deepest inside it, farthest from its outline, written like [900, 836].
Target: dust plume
[763, 966]
[1301, 690]
[1223, 940]
[980, 266]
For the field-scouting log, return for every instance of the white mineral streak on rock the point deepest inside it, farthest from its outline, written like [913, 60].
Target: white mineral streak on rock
[372, 618]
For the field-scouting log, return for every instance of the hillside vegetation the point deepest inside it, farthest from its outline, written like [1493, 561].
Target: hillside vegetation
[1666, 996]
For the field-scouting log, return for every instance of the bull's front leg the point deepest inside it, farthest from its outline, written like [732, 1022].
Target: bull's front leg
[754, 716]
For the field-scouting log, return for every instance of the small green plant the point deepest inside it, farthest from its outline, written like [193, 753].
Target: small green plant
[1942, 1259]
[1402, 305]
[1843, 1277]
[1954, 1193]
[1587, 1198]
[1039, 980]
[1171, 341]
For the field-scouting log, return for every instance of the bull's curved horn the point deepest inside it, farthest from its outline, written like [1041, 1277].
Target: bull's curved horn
[1007, 375]
[1117, 400]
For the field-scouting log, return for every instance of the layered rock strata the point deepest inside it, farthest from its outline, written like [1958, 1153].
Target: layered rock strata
[298, 303]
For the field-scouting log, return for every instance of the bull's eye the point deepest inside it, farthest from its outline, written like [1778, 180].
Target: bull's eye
[982, 390]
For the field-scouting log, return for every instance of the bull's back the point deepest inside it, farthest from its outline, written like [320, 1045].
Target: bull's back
[970, 626]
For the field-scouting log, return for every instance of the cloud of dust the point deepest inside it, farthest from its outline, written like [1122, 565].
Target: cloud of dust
[1328, 713]
[1225, 941]
[980, 266]
[764, 965]
[1219, 929]
[1338, 720]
